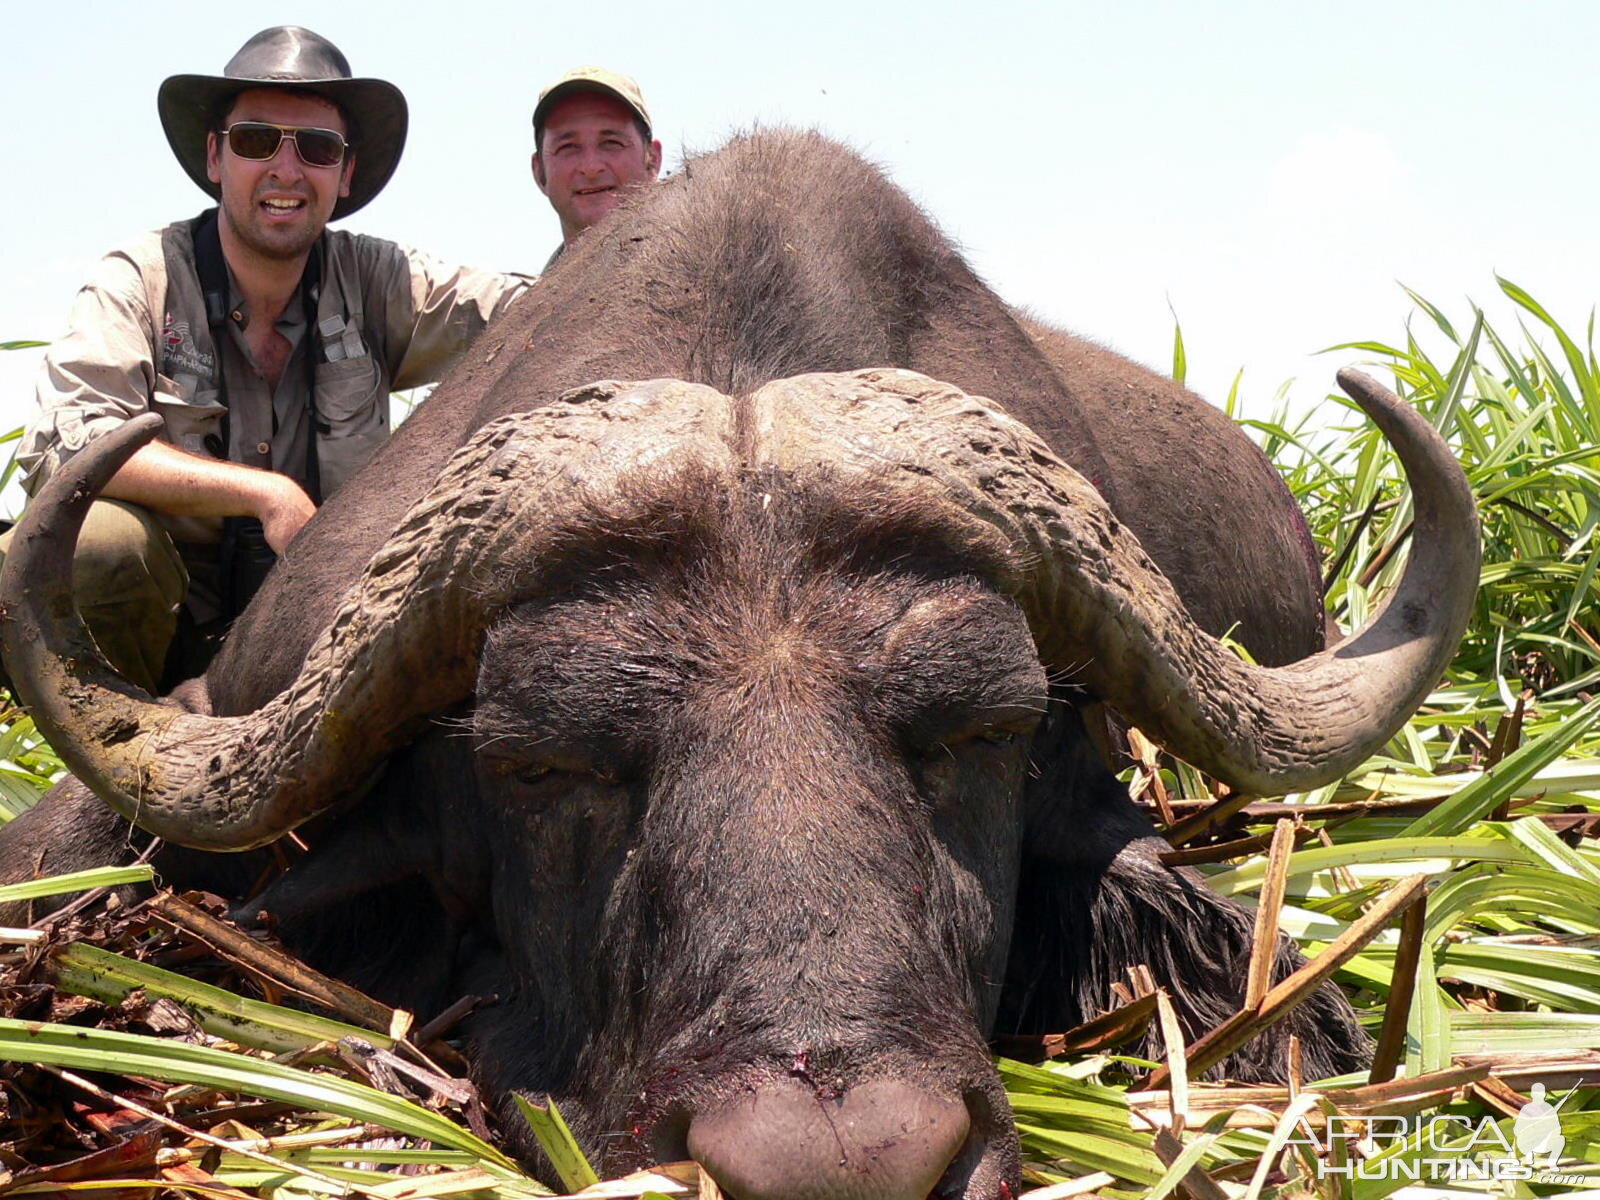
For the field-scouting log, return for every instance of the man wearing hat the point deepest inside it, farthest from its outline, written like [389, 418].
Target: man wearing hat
[268, 342]
[591, 146]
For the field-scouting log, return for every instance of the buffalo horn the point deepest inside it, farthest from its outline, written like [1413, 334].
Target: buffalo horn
[403, 643]
[1106, 618]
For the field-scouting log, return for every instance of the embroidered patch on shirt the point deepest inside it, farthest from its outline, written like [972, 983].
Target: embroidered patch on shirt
[180, 355]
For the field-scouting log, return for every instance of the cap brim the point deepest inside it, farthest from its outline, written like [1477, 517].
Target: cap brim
[187, 104]
[562, 90]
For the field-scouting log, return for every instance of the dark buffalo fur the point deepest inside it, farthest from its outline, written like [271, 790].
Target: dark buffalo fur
[1094, 898]
[778, 861]
[770, 781]
[786, 253]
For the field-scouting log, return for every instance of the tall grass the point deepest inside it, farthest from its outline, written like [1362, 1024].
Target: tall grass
[1525, 423]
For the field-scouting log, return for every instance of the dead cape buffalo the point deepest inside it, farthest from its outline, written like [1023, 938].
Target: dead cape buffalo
[729, 726]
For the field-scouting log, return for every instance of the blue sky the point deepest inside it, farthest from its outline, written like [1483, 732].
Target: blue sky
[1269, 171]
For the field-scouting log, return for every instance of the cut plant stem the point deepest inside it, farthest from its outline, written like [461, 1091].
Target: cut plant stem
[1218, 811]
[1264, 948]
[1507, 737]
[314, 1139]
[1248, 1023]
[1177, 1052]
[244, 951]
[1122, 1024]
[1196, 1183]
[1391, 1048]
[1223, 851]
[1148, 757]
[277, 1164]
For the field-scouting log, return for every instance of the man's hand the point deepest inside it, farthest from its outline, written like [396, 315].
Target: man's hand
[165, 479]
[286, 509]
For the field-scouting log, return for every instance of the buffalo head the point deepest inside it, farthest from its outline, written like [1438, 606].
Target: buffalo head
[765, 710]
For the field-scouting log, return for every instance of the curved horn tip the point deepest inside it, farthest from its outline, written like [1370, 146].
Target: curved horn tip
[81, 478]
[118, 446]
[1365, 390]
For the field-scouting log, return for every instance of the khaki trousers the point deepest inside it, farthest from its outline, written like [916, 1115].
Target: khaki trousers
[130, 583]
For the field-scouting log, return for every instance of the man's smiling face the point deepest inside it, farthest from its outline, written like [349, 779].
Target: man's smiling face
[277, 207]
[590, 155]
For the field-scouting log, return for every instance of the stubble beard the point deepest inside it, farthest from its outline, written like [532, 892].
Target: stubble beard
[280, 245]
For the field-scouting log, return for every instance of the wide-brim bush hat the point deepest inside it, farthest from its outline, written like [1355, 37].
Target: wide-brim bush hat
[590, 79]
[290, 57]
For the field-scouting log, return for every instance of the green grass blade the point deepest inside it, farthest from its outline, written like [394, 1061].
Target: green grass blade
[1180, 360]
[556, 1140]
[109, 978]
[1483, 794]
[1576, 362]
[1438, 317]
[77, 881]
[174, 1061]
[1397, 852]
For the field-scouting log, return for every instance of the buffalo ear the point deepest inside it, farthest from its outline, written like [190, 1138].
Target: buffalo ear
[1095, 900]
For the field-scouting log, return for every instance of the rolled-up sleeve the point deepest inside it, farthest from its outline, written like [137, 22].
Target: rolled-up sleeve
[97, 375]
[447, 307]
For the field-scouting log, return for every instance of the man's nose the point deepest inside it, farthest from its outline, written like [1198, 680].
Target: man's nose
[286, 162]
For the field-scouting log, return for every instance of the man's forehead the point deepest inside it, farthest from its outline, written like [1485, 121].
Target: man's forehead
[587, 110]
[283, 106]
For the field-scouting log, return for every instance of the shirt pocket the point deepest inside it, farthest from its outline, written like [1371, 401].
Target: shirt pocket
[349, 393]
[353, 406]
[191, 422]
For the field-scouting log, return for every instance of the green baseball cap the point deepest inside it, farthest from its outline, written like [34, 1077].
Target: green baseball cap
[590, 79]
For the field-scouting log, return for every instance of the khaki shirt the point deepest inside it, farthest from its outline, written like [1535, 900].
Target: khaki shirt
[138, 341]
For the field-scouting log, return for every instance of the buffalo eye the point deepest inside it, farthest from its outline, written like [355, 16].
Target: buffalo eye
[530, 771]
[989, 735]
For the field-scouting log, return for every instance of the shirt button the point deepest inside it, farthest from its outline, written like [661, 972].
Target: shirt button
[263, 448]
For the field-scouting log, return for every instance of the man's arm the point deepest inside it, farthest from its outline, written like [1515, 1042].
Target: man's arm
[102, 372]
[434, 310]
[164, 478]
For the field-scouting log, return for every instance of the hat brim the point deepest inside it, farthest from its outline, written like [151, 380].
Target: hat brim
[562, 90]
[188, 104]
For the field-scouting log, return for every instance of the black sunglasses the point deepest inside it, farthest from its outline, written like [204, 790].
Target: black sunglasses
[258, 140]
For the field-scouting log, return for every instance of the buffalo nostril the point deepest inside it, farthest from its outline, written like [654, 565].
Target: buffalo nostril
[881, 1140]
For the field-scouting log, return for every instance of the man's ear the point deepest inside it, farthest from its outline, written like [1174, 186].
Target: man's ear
[652, 159]
[213, 155]
[347, 172]
[538, 173]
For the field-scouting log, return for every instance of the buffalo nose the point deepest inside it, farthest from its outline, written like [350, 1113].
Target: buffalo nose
[881, 1140]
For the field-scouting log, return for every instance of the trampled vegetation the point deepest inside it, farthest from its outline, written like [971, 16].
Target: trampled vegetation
[1452, 884]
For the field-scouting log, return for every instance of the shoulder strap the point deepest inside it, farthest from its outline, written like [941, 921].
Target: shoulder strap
[212, 270]
[211, 267]
[310, 292]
